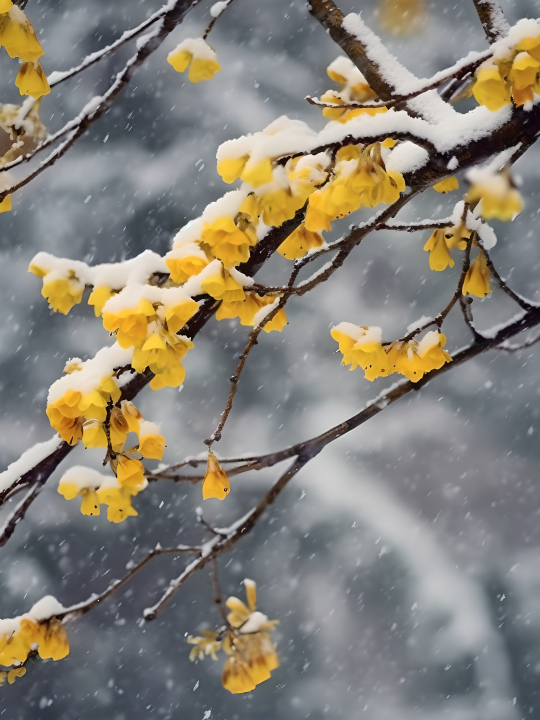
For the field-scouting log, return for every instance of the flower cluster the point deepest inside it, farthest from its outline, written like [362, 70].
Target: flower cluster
[512, 77]
[197, 55]
[96, 489]
[362, 346]
[246, 641]
[353, 89]
[19, 39]
[40, 630]
[360, 179]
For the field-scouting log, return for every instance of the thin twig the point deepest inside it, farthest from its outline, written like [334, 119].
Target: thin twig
[216, 590]
[521, 301]
[18, 514]
[214, 20]
[465, 303]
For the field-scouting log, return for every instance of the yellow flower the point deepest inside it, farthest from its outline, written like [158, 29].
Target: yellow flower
[345, 114]
[162, 353]
[299, 243]
[198, 56]
[151, 444]
[130, 473]
[53, 641]
[477, 278]
[14, 647]
[90, 501]
[257, 173]
[361, 346]
[31, 80]
[182, 268]
[178, 315]
[252, 654]
[278, 206]
[131, 415]
[223, 286]
[5, 6]
[499, 197]
[131, 323]
[231, 169]
[279, 320]
[98, 298]
[205, 644]
[216, 483]
[490, 89]
[228, 242]
[119, 504]
[5, 205]
[446, 185]
[439, 257]
[531, 46]
[18, 37]
[15, 673]
[406, 361]
[62, 293]
[69, 429]
[431, 352]
[524, 71]
[93, 434]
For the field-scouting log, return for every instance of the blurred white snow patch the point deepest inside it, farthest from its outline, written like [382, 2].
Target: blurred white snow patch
[407, 157]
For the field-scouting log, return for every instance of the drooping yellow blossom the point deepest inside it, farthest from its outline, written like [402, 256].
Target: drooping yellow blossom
[162, 353]
[14, 647]
[227, 241]
[31, 80]
[216, 483]
[62, 293]
[5, 205]
[52, 639]
[231, 169]
[90, 501]
[362, 346]
[182, 268]
[93, 434]
[98, 298]
[524, 78]
[130, 324]
[5, 6]
[490, 88]
[439, 257]
[246, 310]
[205, 644]
[15, 673]
[222, 286]
[130, 473]
[530, 45]
[477, 278]
[118, 501]
[447, 185]
[18, 37]
[257, 173]
[354, 89]
[500, 199]
[196, 54]
[402, 17]
[300, 242]
[151, 444]
[431, 352]
[177, 315]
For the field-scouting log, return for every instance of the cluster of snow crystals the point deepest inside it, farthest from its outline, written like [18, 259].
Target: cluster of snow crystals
[198, 47]
[44, 609]
[84, 477]
[430, 339]
[282, 137]
[362, 335]
[346, 68]
[92, 372]
[27, 461]
[131, 296]
[406, 157]
[219, 7]
[254, 623]
[113, 275]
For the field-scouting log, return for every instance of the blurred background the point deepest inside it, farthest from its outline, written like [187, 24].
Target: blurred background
[404, 562]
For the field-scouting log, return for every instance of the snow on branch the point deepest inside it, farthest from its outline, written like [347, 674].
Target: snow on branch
[492, 18]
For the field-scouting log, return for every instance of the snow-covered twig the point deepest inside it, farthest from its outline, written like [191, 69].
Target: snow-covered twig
[492, 18]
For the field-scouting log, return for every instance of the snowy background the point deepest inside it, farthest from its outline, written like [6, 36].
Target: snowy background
[404, 562]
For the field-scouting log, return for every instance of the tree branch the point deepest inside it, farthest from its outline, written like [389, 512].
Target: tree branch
[492, 19]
